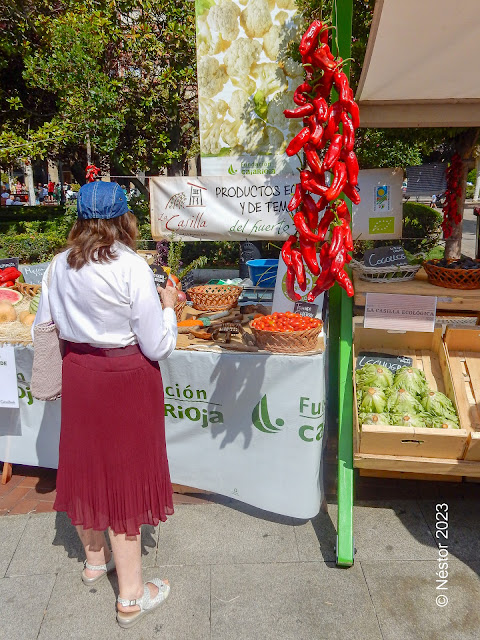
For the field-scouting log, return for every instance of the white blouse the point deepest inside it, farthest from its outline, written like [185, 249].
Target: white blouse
[106, 305]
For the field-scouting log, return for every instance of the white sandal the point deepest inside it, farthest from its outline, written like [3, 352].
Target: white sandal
[146, 603]
[105, 568]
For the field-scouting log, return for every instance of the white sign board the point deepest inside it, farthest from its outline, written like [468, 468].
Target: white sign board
[379, 214]
[8, 378]
[400, 312]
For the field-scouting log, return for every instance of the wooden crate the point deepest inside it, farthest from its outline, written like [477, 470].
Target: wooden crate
[463, 352]
[428, 353]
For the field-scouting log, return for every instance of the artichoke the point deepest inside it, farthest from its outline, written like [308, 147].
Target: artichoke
[437, 403]
[373, 375]
[373, 401]
[408, 420]
[374, 418]
[401, 401]
[410, 379]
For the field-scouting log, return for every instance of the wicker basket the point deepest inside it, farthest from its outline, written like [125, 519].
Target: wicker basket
[401, 273]
[452, 278]
[287, 341]
[214, 297]
[179, 307]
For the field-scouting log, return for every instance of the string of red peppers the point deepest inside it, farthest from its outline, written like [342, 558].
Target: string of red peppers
[326, 150]
[451, 214]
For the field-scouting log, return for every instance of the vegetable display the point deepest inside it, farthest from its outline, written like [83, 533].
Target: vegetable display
[285, 322]
[327, 140]
[8, 276]
[403, 399]
[451, 213]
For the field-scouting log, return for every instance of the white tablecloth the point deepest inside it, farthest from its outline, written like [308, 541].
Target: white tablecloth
[249, 426]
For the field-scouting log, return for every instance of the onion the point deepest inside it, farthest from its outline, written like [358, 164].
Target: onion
[181, 297]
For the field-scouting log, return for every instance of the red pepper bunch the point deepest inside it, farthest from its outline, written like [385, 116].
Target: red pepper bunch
[8, 276]
[451, 214]
[327, 150]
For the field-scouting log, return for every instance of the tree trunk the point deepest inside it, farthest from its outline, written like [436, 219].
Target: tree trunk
[477, 181]
[60, 178]
[464, 145]
[89, 149]
[28, 171]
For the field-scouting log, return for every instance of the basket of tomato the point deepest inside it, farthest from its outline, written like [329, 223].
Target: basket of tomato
[286, 332]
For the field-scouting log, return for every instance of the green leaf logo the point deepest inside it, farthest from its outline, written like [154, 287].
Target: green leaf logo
[231, 170]
[261, 419]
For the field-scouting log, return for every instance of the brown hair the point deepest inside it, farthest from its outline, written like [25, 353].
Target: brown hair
[92, 240]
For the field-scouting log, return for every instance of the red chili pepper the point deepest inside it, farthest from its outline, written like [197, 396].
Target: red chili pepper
[287, 250]
[298, 267]
[342, 210]
[309, 254]
[299, 96]
[324, 87]
[333, 151]
[351, 193]
[297, 142]
[348, 132]
[302, 228]
[323, 37]
[9, 273]
[321, 109]
[338, 262]
[300, 112]
[347, 235]
[341, 85]
[312, 158]
[323, 282]
[351, 164]
[325, 222]
[345, 282]
[339, 181]
[323, 58]
[316, 133]
[337, 241]
[296, 199]
[310, 38]
[333, 119]
[311, 212]
[312, 182]
[352, 107]
[8, 283]
[290, 284]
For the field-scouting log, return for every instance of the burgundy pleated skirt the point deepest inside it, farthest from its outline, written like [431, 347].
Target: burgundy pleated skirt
[113, 467]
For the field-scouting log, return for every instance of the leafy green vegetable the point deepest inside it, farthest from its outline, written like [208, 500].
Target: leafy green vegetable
[408, 420]
[437, 403]
[374, 418]
[261, 107]
[443, 423]
[373, 375]
[402, 401]
[373, 401]
[410, 379]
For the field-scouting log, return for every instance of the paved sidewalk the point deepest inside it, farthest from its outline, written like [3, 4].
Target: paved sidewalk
[238, 573]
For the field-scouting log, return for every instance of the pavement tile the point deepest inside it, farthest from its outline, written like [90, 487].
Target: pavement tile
[11, 530]
[404, 596]
[78, 612]
[24, 506]
[316, 538]
[291, 601]
[34, 494]
[23, 605]
[10, 485]
[50, 544]
[215, 534]
[463, 533]
[9, 500]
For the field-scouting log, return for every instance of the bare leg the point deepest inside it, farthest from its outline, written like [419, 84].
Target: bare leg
[128, 560]
[96, 548]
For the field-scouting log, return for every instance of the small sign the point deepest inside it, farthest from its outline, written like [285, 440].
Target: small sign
[8, 378]
[400, 312]
[381, 200]
[160, 275]
[385, 257]
[33, 273]
[308, 309]
[383, 359]
[9, 262]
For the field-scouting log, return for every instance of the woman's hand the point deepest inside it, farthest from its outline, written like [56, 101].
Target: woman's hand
[168, 296]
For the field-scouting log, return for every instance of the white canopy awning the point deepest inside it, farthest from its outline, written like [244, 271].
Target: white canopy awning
[422, 65]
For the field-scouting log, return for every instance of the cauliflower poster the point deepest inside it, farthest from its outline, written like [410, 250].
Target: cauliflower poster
[245, 81]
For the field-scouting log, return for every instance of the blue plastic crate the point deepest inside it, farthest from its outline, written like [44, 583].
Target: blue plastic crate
[263, 273]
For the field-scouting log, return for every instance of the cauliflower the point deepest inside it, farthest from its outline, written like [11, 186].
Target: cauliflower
[276, 141]
[211, 76]
[246, 83]
[240, 57]
[251, 136]
[222, 107]
[277, 105]
[256, 18]
[210, 140]
[204, 38]
[269, 78]
[281, 17]
[286, 4]
[293, 69]
[229, 132]
[223, 19]
[238, 107]
[271, 42]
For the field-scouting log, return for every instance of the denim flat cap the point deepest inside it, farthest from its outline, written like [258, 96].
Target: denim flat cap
[99, 199]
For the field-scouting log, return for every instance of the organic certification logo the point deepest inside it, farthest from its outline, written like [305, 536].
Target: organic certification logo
[261, 419]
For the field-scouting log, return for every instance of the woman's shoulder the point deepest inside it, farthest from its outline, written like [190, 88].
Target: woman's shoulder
[129, 257]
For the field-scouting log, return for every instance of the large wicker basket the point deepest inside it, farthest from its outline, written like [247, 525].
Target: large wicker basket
[452, 278]
[287, 341]
[401, 273]
[214, 297]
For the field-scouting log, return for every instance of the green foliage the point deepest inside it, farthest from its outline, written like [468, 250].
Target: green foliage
[32, 246]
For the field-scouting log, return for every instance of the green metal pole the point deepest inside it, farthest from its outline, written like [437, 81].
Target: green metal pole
[341, 312]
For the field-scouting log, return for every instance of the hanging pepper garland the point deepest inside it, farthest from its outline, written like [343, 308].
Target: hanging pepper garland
[451, 214]
[327, 150]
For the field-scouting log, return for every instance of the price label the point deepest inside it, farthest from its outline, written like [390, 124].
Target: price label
[383, 359]
[8, 262]
[160, 275]
[385, 257]
[308, 309]
[400, 312]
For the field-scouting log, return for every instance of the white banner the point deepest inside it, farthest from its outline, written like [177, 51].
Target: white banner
[249, 426]
[379, 214]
